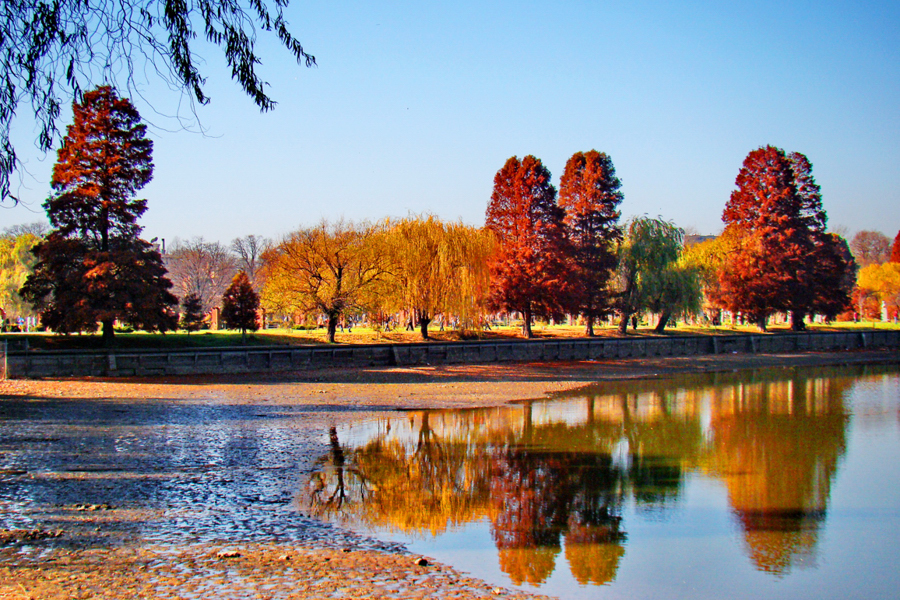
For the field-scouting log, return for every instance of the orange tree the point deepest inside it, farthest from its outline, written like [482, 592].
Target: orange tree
[530, 273]
[590, 193]
[329, 269]
[93, 266]
[783, 259]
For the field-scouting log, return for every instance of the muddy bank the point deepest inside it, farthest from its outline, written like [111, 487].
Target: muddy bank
[185, 487]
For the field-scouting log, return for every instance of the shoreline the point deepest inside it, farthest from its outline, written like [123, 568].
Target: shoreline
[89, 561]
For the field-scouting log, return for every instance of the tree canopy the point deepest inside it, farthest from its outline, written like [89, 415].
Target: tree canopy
[435, 268]
[776, 217]
[529, 270]
[201, 268]
[240, 305]
[650, 276]
[93, 266]
[870, 248]
[590, 194]
[52, 51]
[16, 264]
[330, 268]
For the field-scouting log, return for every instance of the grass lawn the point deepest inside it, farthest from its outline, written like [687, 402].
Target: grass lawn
[362, 335]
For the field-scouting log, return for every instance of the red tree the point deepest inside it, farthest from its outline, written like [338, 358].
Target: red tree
[590, 194]
[240, 305]
[93, 266]
[778, 264]
[529, 272]
[895, 249]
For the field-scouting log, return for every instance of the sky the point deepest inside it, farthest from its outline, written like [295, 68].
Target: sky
[414, 106]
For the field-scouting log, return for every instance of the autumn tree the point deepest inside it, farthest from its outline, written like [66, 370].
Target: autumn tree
[201, 268]
[590, 194]
[435, 268]
[330, 268]
[16, 264]
[883, 282]
[870, 248]
[52, 51]
[93, 266]
[777, 217]
[240, 306]
[530, 270]
[895, 249]
[708, 259]
[192, 314]
[649, 274]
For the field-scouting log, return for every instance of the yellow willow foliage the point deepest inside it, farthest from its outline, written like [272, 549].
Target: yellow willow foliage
[709, 258]
[882, 280]
[532, 565]
[594, 563]
[436, 268]
[328, 268]
[16, 263]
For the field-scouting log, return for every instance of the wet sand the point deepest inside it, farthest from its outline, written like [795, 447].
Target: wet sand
[104, 551]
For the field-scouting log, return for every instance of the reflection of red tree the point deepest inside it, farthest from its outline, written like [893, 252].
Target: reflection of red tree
[530, 497]
[528, 493]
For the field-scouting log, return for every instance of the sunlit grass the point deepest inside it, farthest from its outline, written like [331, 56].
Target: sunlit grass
[401, 335]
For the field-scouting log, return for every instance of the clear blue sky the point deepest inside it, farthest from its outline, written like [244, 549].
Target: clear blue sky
[414, 106]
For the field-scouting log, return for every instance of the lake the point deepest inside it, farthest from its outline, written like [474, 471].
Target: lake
[779, 483]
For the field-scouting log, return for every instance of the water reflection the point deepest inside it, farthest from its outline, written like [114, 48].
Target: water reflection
[552, 477]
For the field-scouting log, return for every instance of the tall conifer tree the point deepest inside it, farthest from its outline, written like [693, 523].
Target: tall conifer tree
[590, 194]
[93, 266]
[529, 273]
[240, 306]
[777, 217]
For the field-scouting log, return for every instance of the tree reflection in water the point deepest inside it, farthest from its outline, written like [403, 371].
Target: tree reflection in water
[557, 473]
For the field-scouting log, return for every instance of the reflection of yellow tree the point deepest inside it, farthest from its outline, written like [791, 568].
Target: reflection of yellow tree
[428, 485]
[777, 445]
[595, 563]
[531, 564]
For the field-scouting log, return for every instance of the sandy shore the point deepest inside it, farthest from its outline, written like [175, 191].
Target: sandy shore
[36, 565]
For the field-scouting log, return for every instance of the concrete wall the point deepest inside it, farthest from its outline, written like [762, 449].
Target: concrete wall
[288, 358]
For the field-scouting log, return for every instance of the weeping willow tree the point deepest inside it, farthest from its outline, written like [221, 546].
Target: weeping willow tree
[651, 274]
[436, 268]
[51, 51]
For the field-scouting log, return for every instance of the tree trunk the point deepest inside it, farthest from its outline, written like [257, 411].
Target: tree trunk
[761, 323]
[423, 327]
[108, 333]
[623, 324]
[243, 336]
[526, 323]
[663, 321]
[797, 321]
[589, 324]
[332, 327]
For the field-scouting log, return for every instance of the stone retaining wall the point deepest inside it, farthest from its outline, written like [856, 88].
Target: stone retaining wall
[287, 358]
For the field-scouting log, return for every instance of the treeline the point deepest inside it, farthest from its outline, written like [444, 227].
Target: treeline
[542, 253]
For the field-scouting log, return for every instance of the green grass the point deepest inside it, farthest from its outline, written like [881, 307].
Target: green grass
[218, 339]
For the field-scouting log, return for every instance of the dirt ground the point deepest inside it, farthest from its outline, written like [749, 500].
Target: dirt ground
[33, 565]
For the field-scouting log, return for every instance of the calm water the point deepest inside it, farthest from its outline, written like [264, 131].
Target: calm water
[767, 484]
